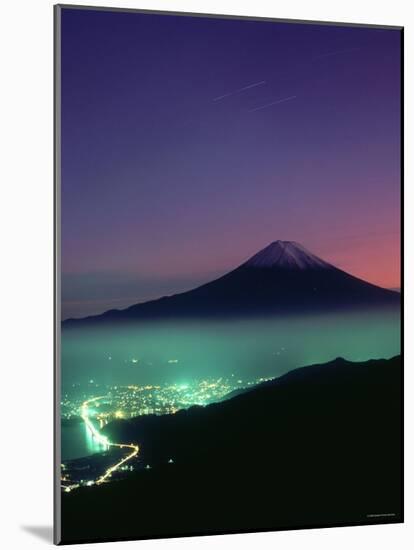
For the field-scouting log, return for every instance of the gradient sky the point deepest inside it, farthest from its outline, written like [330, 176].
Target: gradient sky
[188, 144]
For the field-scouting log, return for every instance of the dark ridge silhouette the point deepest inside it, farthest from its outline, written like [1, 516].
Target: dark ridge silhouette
[319, 446]
[282, 278]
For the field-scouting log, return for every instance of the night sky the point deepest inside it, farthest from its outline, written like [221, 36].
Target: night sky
[188, 144]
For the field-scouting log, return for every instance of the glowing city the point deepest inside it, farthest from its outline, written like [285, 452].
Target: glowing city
[123, 402]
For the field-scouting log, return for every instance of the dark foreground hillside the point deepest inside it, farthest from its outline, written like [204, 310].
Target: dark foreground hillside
[317, 447]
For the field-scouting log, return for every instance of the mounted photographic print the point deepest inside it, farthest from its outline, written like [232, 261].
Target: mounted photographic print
[228, 274]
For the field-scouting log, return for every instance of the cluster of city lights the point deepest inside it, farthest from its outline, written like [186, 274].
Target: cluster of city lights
[123, 402]
[103, 440]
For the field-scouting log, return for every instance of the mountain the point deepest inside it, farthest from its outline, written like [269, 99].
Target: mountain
[283, 278]
[319, 446]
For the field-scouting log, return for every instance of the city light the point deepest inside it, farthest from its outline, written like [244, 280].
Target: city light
[124, 402]
[105, 441]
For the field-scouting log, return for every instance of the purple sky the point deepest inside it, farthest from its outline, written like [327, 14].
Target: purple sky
[188, 144]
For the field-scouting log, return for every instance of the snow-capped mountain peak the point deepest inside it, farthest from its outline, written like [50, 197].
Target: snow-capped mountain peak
[286, 255]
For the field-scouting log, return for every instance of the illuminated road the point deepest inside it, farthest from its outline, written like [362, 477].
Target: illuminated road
[105, 441]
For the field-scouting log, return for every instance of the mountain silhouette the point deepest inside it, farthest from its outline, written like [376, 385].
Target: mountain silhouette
[283, 278]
